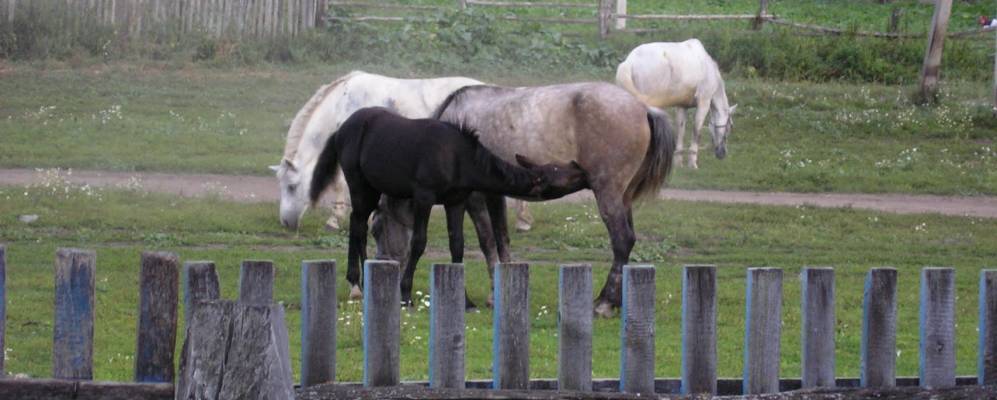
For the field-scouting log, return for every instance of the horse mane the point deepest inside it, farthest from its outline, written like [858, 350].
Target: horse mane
[300, 122]
[452, 98]
[488, 162]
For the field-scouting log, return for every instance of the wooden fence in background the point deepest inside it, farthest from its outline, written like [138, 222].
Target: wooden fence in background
[254, 18]
[162, 282]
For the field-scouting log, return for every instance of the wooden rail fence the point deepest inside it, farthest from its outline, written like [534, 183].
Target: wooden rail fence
[162, 278]
[255, 18]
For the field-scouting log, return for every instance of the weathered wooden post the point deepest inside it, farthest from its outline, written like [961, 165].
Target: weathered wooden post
[937, 327]
[511, 327]
[637, 330]
[879, 329]
[987, 356]
[381, 323]
[256, 282]
[11, 8]
[200, 283]
[574, 323]
[699, 329]
[933, 55]
[995, 73]
[621, 9]
[318, 322]
[462, 4]
[605, 16]
[446, 326]
[763, 319]
[818, 327]
[3, 302]
[763, 11]
[72, 351]
[159, 281]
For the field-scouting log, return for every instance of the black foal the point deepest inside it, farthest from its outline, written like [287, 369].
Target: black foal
[430, 162]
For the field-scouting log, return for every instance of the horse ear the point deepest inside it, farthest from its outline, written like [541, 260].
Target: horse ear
[289, 165]
[732, 108]
[274, 168]
[525, 162]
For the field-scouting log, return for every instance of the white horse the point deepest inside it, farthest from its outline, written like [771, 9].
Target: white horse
[681, 75]
[326, 111]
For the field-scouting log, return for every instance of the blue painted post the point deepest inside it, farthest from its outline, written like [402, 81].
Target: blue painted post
[818, 327]
[699, 329]
[511, 327]
[762, 331]
[987, 364]
[318, 322]
[382, 323]
[72, 350]
[200, 283]
[256, 282]
[637, 330]
[937, 348]
[574, 324]
[159, 282]
[446, 326]
[879, 329]
[3, 302]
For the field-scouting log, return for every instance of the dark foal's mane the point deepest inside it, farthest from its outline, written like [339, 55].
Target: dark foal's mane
[489, 163]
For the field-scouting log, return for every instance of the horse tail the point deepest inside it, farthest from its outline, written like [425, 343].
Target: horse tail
[328, 164]
[658, 161]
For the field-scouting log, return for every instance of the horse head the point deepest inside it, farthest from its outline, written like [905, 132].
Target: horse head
[554, 180]
[721, 125]
[293, 193]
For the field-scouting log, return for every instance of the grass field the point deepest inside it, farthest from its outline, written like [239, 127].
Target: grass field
[121, 224]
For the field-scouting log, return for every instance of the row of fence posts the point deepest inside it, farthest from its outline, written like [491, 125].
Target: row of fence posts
[157, 323]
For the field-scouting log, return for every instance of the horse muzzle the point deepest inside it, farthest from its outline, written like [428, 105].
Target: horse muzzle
[721, 152]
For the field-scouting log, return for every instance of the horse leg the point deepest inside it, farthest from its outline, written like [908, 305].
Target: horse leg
[364, 203]
[697, 131]
[421, 211]
[680, 142]
[524, 221]
[496, 211]
[617, 216]
[455, 229]
[478, 210]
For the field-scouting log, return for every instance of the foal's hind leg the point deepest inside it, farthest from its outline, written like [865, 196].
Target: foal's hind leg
[455, 229]
[496, 211]
[364, 203]
[421, 209]
[478, 210]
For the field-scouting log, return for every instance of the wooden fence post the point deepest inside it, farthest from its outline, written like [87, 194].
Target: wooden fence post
[605, 15]
[987, 355]
[11, 9]
[200, 283]
[762, 331]
[621, 9]
[3, 302]
[763, 11]
[879, 329]
[462, 4]
[933, 55]
[637, 330]
[937, 327]
[574, 326]
[381, 323]
[511, 327]
[72, 351]
[818, 327]
[995, 74]
[699, 329]
[318, 322]
[446, 326]
[256, 282]
[159, 282]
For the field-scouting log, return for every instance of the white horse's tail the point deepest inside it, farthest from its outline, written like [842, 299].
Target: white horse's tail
[625, 78]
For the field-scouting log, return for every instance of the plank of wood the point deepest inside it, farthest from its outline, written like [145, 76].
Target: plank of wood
[763, 330]
[937, 317]
[879, 324]
[699, 329]
[511, 326]
[3, 302]
[574, 323]
[256, 282]
[72, 350]
[159, 281]
[818, 328]
[318, 322]
[637, 330]
[446, 326]
[382, 318]
[931, 68]
[60, 389]
[987, 355]
[200, 283]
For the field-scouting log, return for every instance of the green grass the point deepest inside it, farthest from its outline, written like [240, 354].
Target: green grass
[834, 137]
[119, 225]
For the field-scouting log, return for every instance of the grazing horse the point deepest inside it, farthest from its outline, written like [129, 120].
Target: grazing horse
[625, 148]
[681, 75]
[430, 162]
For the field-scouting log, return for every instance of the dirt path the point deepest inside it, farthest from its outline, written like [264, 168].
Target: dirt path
[264, 189]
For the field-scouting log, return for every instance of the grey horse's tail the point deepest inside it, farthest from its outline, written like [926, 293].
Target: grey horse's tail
[658, 161]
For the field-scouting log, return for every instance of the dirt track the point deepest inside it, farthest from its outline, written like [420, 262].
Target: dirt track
[264, 189]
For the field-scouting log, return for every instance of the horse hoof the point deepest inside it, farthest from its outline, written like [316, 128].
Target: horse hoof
[523, 227]
[331, 227]
[355, 293]
[490, 302]
[604, 310]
